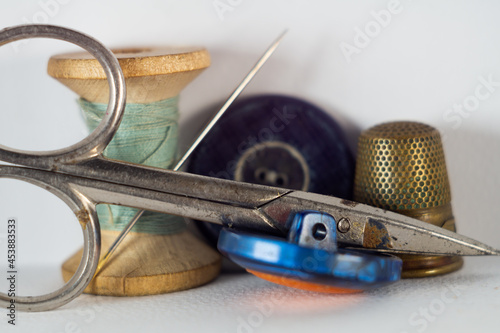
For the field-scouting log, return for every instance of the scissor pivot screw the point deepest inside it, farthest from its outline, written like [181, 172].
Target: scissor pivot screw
[344, 225]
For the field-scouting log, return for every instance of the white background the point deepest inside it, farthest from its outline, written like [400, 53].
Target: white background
[428, 58]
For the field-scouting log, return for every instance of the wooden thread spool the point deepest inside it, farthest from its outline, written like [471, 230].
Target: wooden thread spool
[145, 263]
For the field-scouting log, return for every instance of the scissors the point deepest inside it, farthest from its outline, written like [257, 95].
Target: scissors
[83, 178]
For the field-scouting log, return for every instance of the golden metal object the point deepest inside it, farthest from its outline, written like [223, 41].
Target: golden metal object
[401, 167]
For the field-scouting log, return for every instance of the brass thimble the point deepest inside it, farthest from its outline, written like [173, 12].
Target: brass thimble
[401, 167]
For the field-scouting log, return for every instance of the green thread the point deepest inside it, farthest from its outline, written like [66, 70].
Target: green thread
[147, 135]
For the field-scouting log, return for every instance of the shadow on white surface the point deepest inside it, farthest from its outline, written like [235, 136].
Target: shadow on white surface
[243, 303]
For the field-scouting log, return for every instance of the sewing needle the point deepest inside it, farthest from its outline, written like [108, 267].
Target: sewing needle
[197, 141]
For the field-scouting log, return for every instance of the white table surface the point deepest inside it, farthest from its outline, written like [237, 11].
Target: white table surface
[429, 58]
[459, 302]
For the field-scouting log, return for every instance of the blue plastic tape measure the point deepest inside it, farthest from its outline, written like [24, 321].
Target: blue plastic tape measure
[301, 263]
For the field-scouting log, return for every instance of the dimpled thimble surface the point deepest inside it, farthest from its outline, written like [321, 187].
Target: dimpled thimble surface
[401, 167]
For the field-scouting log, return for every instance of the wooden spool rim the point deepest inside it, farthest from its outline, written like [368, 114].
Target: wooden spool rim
[135, 62]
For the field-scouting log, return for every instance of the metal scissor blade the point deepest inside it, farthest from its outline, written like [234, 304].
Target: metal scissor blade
[377, 229]
[408, 235]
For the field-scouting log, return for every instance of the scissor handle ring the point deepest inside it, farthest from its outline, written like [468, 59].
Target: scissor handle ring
[87, 217]
[91, 146]
[94, 144]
